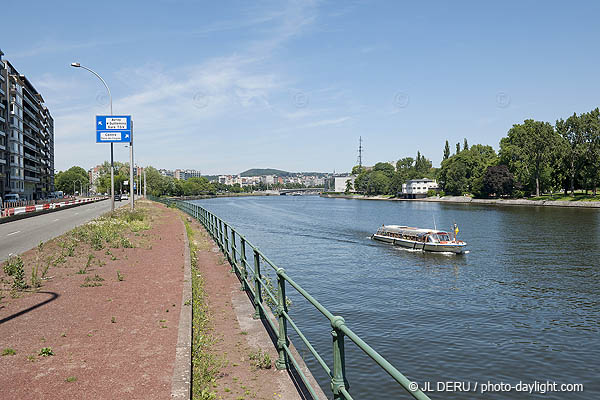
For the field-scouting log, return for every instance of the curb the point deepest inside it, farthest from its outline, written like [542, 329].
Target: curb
[182, 371]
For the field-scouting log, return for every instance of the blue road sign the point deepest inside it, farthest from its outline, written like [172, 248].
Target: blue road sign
[113, 128]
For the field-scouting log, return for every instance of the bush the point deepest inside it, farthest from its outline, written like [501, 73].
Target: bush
[14, 267]
[431, 193]
[518, 194]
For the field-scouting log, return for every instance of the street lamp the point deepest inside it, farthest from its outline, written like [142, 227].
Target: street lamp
[80, 187]
[112, 166]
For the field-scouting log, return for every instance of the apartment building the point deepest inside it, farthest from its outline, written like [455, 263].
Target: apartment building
[26, 137]
[181, 174]
[3, 127]
[94, 175]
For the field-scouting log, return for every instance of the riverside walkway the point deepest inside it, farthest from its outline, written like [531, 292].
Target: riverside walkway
[115, 322]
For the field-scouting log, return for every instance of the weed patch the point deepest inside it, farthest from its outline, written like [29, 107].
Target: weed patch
[261, 360]
[15, 268]
[8, 352]
[46, 352]
[205, 366]
[92, 282]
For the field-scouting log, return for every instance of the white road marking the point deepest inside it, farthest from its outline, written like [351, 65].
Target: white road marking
[14, 233]
[76, 213]
[57, 219]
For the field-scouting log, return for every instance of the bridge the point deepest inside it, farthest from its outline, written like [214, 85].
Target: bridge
[300, 191]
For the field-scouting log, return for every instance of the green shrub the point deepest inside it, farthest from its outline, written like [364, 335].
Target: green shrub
[15, 268]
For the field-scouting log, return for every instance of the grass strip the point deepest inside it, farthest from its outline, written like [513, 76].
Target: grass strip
[205, 365]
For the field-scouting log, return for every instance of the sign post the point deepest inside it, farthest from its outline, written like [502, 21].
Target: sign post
[113, 129]
[116, 129]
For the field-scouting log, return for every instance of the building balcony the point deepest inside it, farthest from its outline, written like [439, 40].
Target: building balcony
[31, 168]
[31, 179]
[30, 157]
[30, 145]
[31, 103]
[32, 115]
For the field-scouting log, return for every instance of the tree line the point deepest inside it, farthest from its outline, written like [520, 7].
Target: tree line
[157, 184]
[535, 157]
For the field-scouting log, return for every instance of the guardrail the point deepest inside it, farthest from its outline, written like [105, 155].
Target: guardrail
[235, 246]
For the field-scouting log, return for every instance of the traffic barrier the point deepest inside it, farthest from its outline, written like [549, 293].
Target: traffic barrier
[7, 212]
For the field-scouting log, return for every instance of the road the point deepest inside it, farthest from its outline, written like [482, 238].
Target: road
[22, 235]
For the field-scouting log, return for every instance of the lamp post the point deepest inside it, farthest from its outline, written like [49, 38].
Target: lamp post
[80, 187]
[112, 166]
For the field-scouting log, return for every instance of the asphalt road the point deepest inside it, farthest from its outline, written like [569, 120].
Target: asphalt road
[22, 235]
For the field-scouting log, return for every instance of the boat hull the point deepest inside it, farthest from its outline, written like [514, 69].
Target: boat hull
[457, 248]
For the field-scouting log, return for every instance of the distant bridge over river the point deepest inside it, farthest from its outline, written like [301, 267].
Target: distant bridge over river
[300, 191]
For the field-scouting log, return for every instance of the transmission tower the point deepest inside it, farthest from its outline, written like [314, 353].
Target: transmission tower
[360, 149]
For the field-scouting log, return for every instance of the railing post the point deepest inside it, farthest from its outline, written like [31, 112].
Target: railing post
[243, 262]
[226, 241]
[221, 234]
[257, 286]
[233, 261]
[338, 379]
[281, 308]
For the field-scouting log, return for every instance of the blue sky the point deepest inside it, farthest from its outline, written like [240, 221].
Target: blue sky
[231, 85]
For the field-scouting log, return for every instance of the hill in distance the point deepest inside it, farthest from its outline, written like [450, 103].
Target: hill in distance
[278, 172]
[265, 171]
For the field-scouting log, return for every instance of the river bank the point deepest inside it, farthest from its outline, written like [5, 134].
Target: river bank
[470, 200]
[105, 311]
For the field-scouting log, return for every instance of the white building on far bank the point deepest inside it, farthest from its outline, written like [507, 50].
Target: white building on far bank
[418, 188]
[340, 182]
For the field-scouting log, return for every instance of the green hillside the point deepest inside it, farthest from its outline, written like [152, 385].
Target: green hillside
[264, 171]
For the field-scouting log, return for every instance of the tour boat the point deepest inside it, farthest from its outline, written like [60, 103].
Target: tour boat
[420, 239]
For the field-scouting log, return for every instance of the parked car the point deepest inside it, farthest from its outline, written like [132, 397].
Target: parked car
[117, 197]
[124, 196]
[11, 198]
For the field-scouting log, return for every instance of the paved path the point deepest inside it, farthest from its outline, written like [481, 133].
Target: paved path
[117, 340]
[24, 234]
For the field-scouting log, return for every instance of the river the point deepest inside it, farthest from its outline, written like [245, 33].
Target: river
[521, 306]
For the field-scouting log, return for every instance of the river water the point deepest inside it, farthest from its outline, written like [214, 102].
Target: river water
[521, 306]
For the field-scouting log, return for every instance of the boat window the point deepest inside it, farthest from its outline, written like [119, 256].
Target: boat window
[444, 238]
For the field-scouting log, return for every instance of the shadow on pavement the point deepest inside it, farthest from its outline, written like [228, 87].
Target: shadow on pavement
[54, 297]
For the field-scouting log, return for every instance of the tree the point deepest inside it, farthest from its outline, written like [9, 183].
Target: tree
[457, 148]
[591, 129]
[527, 152]
[422, 165]
[377, 183]
[446, 151]
[386, 168]
[360, 183]
[71, 180]
[357, 169]
[463, 172]
[349, 186]
[571, 131]
[465, 145]
[498, 181]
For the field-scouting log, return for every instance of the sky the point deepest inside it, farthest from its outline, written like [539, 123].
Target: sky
[224, 86]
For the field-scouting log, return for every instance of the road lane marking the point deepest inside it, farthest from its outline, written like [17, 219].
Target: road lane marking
[14, 233]
[57, 219]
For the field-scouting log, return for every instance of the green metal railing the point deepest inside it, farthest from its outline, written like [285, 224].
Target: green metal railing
[234, 246]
